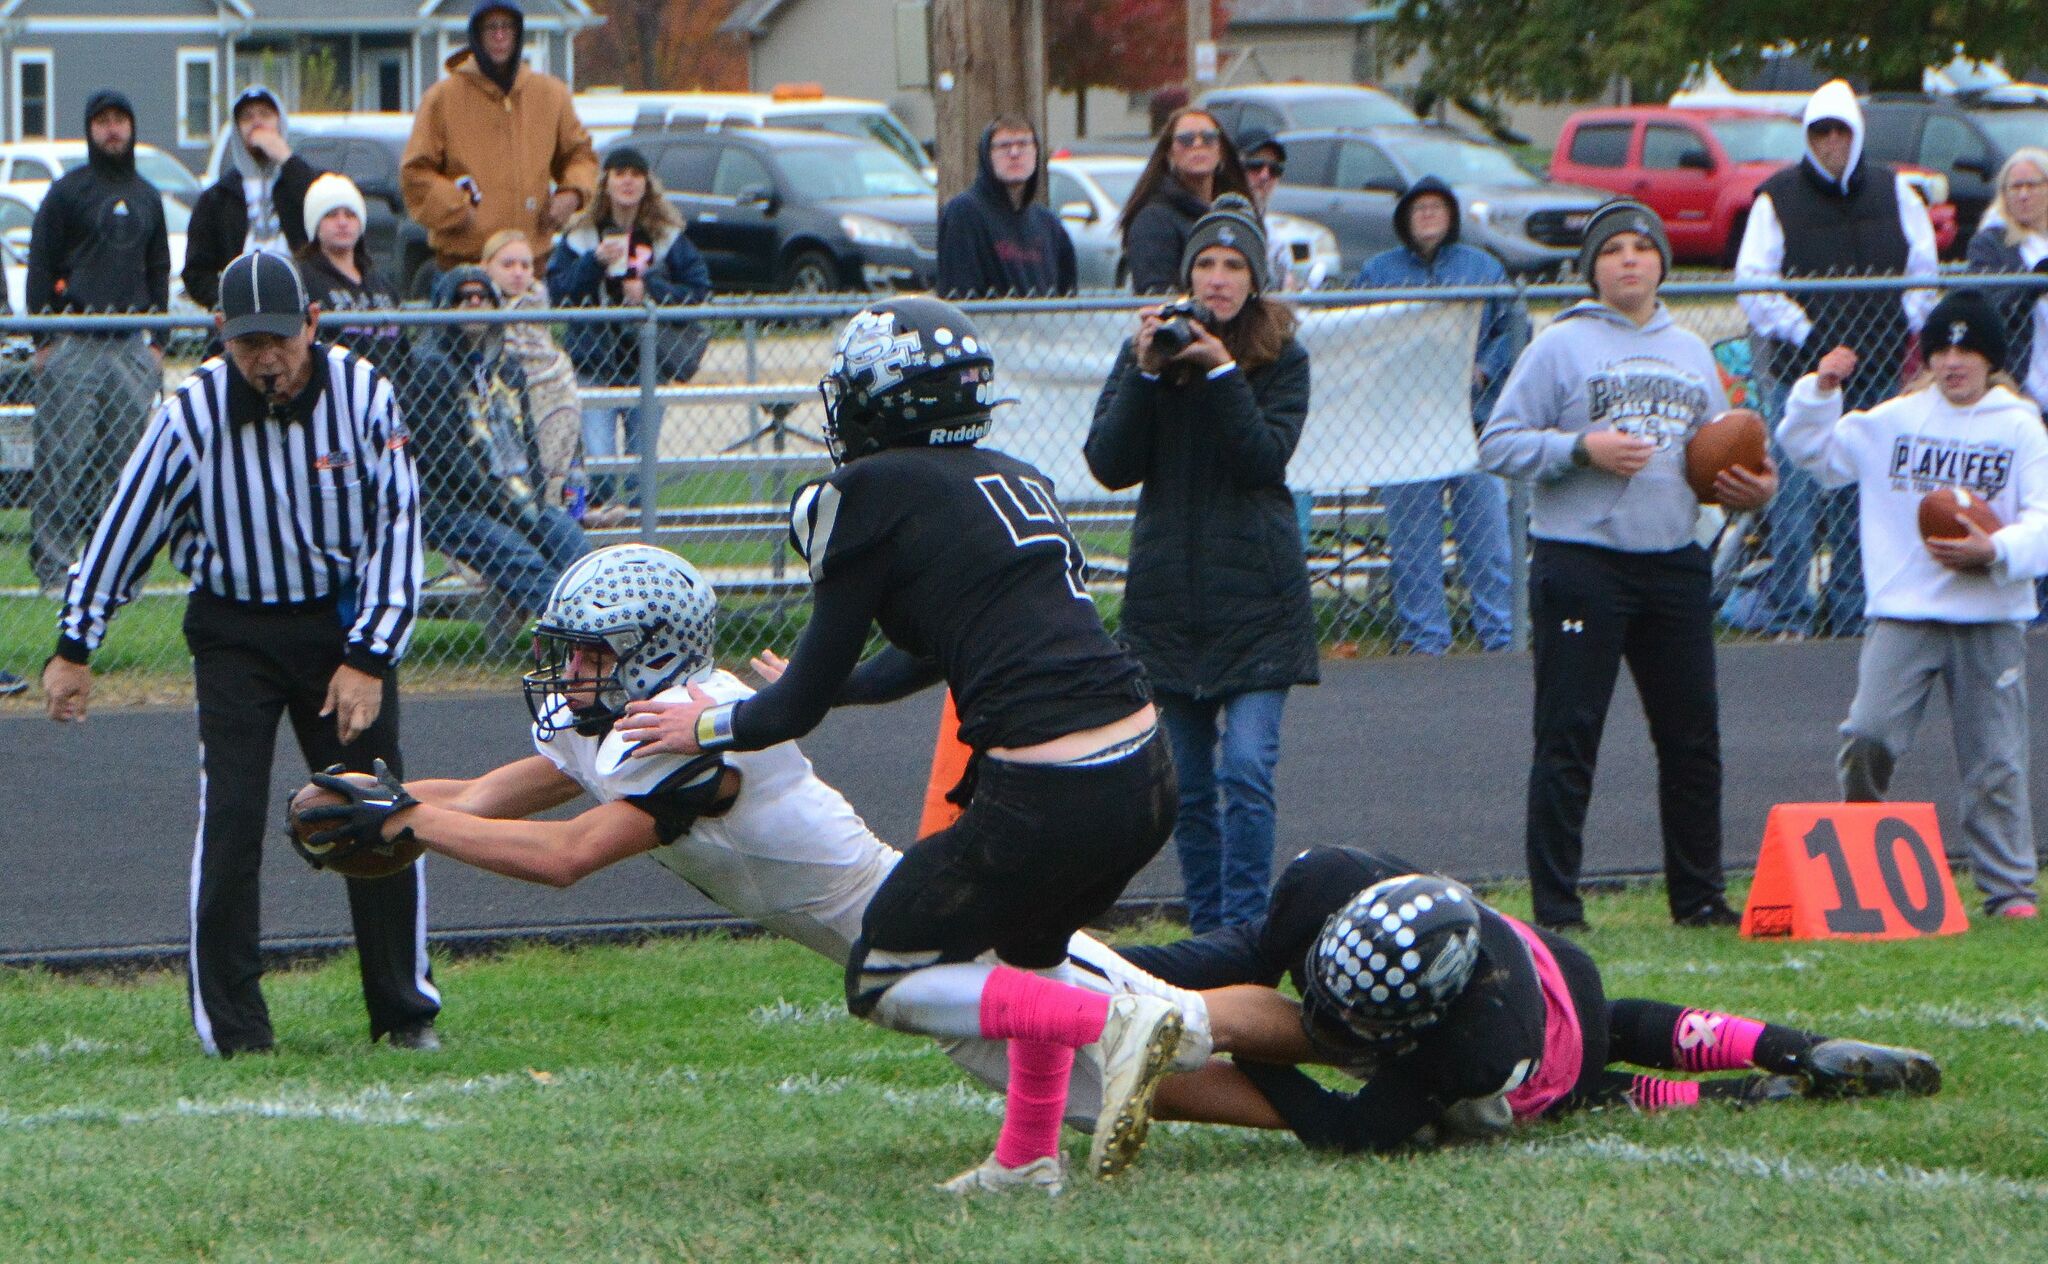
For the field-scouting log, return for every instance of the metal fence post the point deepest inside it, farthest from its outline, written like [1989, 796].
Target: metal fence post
[649, 431]
[1518, 549]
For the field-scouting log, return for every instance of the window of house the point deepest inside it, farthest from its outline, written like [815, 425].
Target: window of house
[198, 98]
[32, 92]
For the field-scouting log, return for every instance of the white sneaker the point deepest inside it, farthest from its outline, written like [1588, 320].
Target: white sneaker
[1138, 1045]
[1047, 1174]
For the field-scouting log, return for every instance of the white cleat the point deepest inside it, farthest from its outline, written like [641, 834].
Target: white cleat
[1138, 1046]
[1047, 1175]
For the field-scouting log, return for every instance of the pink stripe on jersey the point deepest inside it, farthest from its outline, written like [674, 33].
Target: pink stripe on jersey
[1564, 1047]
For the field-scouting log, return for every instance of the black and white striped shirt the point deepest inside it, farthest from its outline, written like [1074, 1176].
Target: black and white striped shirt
[309, 500]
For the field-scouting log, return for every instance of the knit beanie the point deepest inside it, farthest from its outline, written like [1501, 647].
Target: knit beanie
[1231, 222]
[1622, 215]
[330, 192]
[1966, 319]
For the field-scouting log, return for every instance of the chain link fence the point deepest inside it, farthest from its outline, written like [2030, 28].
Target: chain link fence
[1403, 541]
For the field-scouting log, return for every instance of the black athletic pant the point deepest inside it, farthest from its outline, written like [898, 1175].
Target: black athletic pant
[1591, 609]
[251, 664]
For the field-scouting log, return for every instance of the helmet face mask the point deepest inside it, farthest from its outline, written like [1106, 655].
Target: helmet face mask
[648, 609]
[1391, 962]
[907, 371]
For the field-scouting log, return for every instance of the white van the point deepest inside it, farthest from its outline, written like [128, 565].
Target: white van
[798, 107]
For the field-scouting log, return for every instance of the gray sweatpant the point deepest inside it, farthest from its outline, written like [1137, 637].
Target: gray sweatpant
[1983, 667]
[93, 401]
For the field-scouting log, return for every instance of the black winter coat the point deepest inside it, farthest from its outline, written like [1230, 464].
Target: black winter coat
[1158, 235]
[1990, 253]
[1216, 602]
[220, 224]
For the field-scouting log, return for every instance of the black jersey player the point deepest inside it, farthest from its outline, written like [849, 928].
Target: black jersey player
[962, 557]
[1458, 1017]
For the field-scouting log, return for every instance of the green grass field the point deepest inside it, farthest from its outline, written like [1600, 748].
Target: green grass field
[707, 1099]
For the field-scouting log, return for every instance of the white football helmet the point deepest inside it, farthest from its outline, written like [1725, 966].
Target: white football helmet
[648, 607]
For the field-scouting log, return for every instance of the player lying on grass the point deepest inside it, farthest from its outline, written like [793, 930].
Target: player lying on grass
[1466, 1020]
[758, 832]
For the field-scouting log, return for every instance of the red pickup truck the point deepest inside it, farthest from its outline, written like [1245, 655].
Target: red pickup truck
[1699, 170]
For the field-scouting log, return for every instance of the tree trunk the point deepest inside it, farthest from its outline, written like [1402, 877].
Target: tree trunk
[987, 59]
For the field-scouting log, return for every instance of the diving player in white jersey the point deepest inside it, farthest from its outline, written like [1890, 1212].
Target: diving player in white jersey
[756, 831]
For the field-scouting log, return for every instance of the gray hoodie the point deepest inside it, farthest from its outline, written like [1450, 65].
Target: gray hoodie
[1594, 369]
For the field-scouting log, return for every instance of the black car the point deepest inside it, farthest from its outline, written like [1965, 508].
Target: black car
[1283, 107]
[1349, 180]
[806, 212]
[1965, 142]
[367, 148]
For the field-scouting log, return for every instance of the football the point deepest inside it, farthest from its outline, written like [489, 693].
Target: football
[1938, 510]
[380, 861]
[1736, 437]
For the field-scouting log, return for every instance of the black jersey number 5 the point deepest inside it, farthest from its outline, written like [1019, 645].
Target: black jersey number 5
[1027, 509]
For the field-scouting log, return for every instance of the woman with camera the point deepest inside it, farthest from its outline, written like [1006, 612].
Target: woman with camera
[1204, 408]
[1192, 164]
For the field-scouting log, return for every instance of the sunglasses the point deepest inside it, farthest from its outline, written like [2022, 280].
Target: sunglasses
[1205, 136]
[1261, 166]
[466, 297]
[1829, 127]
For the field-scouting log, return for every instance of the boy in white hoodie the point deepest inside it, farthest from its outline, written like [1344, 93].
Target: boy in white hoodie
[1953, 609]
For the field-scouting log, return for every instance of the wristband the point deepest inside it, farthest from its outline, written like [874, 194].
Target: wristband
[1582, 456]
[714, 727]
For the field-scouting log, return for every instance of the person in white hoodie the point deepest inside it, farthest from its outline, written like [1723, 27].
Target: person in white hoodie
[1833, 213]
[1953, 610]
[1597, 414]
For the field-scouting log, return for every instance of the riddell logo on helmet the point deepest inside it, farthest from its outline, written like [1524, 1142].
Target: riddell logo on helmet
[961, 434]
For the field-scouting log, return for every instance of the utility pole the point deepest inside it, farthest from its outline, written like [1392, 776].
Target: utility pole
[1201, 49]
[988, 58]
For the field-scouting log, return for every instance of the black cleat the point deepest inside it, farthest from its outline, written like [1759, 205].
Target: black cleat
[1854, 1068]
[1709, 915]
[1568, 926]
[419, 1038]
[1762, 1090]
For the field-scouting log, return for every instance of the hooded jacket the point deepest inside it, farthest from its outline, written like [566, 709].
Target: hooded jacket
[1805, 222]
[1916, 443]
[608, 353]
[1216, 602]
[220, 218]
[471, 423]
[518, 145]
[381, 344]
[100, 233]
[1503, 323]
[1990, 252]
[1157, 236]
[989, 248]
[1594, 369]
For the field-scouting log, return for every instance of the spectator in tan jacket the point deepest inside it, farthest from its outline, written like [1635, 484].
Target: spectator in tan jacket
[495, 145]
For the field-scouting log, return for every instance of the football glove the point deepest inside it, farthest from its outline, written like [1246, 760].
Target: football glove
[359, 823]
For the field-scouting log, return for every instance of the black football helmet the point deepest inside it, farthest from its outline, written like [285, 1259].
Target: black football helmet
[908, 371]
[1391, 961]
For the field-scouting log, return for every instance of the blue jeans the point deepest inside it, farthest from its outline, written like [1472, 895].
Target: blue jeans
[601, 438]
[1415, 542]
[520, 566]
[1800, 517]
[1227, 871]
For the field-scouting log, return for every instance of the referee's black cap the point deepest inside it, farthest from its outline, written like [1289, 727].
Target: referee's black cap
[261, 293]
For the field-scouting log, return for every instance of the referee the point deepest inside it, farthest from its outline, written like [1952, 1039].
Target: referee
[280, 478]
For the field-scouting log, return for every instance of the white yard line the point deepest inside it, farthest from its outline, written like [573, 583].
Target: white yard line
[1944, 1182]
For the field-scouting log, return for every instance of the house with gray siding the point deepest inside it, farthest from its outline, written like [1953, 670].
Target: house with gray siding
[183, 61]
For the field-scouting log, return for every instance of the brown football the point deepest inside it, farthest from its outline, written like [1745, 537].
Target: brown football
[1736, 437]
[380, 861]
[1938, 510]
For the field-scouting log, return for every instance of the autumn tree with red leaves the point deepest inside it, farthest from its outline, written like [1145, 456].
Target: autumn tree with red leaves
[1129, 45]
[662, 46]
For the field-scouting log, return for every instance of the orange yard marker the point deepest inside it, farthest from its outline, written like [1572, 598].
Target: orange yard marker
[949, 761]
[1855, 871]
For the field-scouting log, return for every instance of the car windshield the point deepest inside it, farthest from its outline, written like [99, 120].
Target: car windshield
[861, 125]
[1456, 161]
[1346, 109]
[159, 168]
[2014, 128]
[850, 171]
[1759, 140]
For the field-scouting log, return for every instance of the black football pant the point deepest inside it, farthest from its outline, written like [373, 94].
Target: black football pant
[252, 664]
[1591, 609]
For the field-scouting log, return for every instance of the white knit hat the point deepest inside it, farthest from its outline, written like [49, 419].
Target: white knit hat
[331, 192]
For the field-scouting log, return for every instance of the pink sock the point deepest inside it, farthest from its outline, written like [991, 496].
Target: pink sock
[1650, 1093]
[1705, 1040]
[1019, 1005]
[1037, 1099]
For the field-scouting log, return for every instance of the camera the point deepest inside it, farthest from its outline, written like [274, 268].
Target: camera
[1175, 332]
